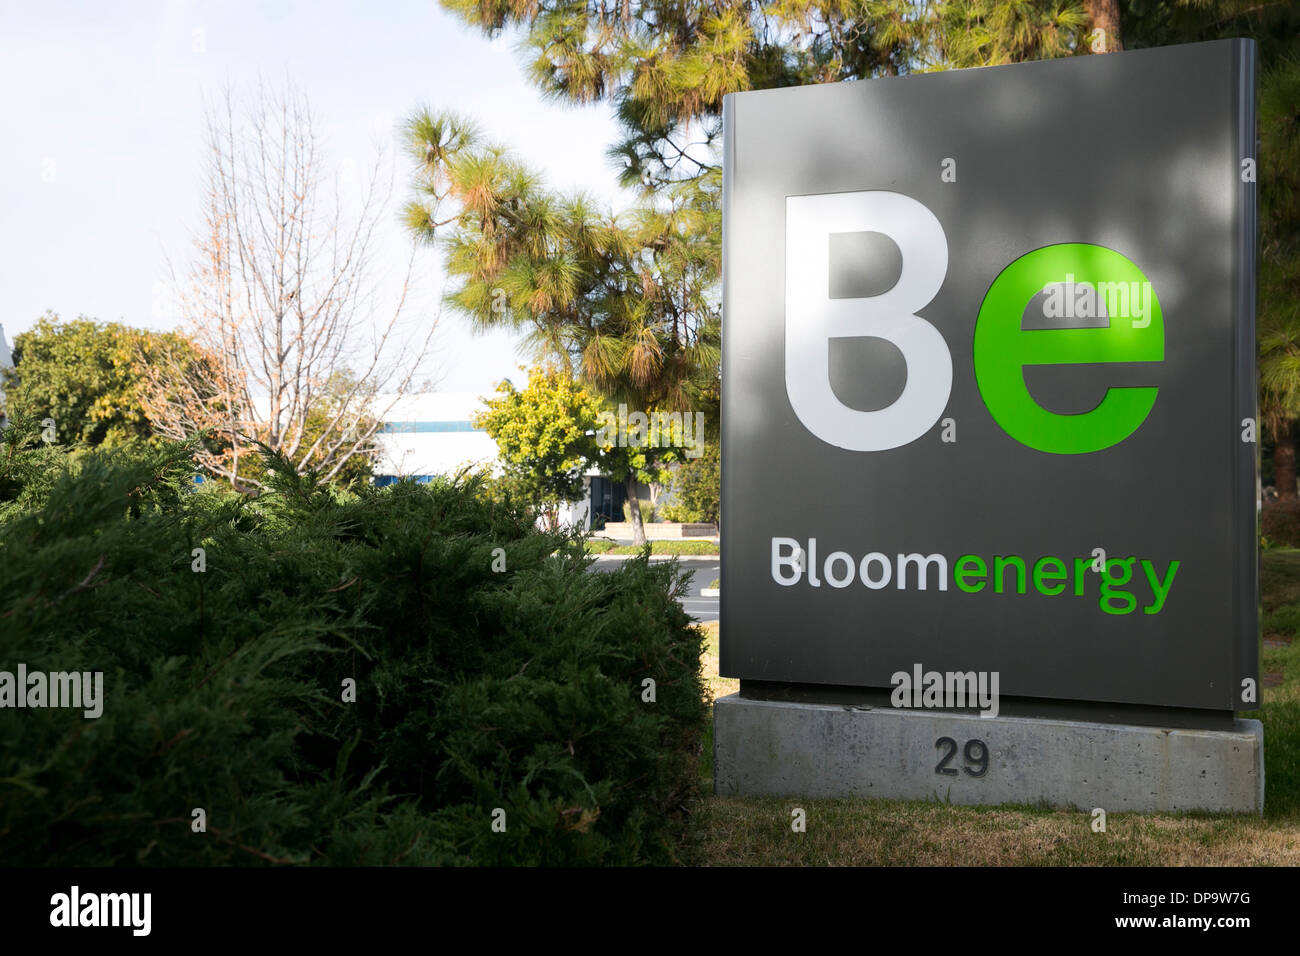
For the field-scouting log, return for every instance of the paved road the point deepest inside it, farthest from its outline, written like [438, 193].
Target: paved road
[706, 569]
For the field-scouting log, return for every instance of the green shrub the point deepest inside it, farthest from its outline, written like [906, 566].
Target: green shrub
[696, 489]
[1280, 523]
[675, 512]
[647, 510]
[1285, 620]
[477, 687]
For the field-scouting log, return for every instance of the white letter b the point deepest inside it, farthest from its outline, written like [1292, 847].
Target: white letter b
[813, 318]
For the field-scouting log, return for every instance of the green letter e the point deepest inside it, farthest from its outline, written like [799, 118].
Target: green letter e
[1003, 349]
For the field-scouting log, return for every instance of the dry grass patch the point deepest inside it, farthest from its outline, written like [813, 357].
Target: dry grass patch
[718, 686]
[755, 831]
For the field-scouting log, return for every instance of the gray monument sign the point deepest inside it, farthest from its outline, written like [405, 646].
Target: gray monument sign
[989, 396]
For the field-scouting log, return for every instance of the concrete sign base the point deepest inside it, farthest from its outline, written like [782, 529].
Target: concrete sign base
[779, 748]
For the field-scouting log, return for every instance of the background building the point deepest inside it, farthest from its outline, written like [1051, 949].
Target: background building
[431, 434]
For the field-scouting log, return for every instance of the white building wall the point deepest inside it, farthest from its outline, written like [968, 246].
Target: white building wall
[423, 440]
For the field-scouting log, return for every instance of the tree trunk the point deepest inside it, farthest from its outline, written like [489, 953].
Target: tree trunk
[634, 509]
[1284, 461]
[1104, 15]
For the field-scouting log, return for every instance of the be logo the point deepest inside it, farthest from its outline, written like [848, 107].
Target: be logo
[1002, 349]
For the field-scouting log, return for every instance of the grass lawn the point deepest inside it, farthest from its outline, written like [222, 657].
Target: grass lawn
[755, 831]
[658, 546]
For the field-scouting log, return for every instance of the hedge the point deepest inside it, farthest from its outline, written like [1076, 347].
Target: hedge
[495, 677]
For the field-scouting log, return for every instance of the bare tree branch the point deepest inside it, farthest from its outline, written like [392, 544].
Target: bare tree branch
[289, 346]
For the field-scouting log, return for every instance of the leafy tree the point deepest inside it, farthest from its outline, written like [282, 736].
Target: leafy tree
[552, 431]
[545, 433]
[1274, 24]
[628, 299]
[88, 376]
[665, 67]
[630, 452]
[626, 303]
[992, 32]
[1279, 286]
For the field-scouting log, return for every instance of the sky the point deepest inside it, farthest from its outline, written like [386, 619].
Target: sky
[101, 142]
